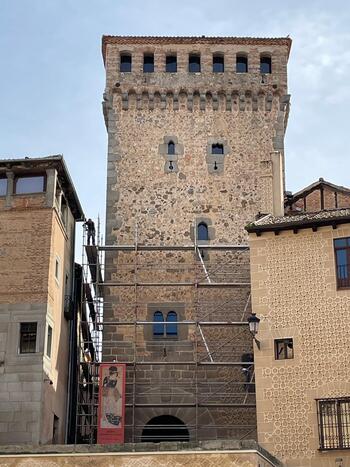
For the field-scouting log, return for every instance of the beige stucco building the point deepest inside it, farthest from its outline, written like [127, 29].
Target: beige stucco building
[38, 212]
[300, 270]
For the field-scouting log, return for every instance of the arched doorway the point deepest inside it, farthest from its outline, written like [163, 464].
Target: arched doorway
[165, 428]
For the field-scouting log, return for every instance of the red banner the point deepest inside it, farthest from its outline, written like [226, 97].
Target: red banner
[111, 403]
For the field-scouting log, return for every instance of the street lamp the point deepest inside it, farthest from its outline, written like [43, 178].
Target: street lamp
[254, 322]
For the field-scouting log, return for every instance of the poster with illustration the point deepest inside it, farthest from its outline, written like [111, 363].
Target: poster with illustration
[111, 408]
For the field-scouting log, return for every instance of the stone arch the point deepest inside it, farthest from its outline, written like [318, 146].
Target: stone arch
[165, 428]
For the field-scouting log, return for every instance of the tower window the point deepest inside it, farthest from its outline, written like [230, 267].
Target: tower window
[49, 341]
[30, 184]
[171, 324]
[148, 63]
[194, 63]
[202, 232]
[27, 341]
[217, 149]
[171, 148]
[3, 186]
[171, 64]
[125, 63]
[265, 64]
[241, 64]
[284, 349]
[218, 63]
[158, 324]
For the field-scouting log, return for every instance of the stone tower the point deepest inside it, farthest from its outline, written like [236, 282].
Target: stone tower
[195, 150]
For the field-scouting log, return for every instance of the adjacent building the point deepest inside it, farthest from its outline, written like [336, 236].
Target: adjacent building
[300, 273]
[39, 209]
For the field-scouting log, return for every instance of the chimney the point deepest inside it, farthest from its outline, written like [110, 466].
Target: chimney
[277, 184]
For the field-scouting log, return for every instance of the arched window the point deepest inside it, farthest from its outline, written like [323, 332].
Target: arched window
[171, 148]
[171, 329]
[158, 324]
[265, 64]
[218, 63]
[241, 64]
[202, 231]
[125, 62]
[217, 149]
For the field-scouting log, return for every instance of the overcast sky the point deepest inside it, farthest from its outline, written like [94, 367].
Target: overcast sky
[52, 77]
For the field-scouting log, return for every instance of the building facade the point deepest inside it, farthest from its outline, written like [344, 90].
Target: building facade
[300, 270]
[38, 212]
[195, 150]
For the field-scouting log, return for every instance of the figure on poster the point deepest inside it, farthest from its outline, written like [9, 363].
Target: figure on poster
[111, 399]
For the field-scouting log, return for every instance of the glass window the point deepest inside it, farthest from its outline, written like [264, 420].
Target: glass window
[158, 324]
[148, 63]
[242, 64]
[34, 184]
[218, 63]
[125, 62]
[265, 64]
[217, 149]
[171, 148]
[202, 231]
[171, 329]
[334, 423]
[342, 260]
[284, 349]
[28, 332]
[3, 186]
[171, 64]
[194, 63]
[49, 341]
[57, 269]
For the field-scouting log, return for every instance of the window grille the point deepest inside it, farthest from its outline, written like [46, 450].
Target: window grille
[342, 259]
[27, 343]
[334, 423]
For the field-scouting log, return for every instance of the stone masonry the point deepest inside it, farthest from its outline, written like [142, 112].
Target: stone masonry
[157, 198]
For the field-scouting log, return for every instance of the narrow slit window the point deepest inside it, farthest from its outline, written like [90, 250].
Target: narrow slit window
[171, 148]
[125, 63]
[171, 324]
[202, 232]
[217, 149]
[49, 341]
[194, 63]
[171, 64]
[148, 63]
[28, 334]
[158, 324]
[242, 64]
[218, 63]
[265, 64]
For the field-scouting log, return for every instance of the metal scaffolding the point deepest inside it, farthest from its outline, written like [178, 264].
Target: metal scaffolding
[205, 373]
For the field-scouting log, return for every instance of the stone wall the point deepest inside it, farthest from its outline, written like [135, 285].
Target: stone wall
[152, 203]
[295, 294]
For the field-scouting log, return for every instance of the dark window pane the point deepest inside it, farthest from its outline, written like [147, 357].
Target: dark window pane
[341, 242]
[218, 64]
[171, 64]
[30, 184]
[194, 63]
[28, 337]
[171, 148]
[217, 149]
[284, 349]
[3, 186]
[125, 63]
[242, 64]
[265, 65]
[202, 233]
[49, 341]
[171, 329]
[148, 63]
[158, 326]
